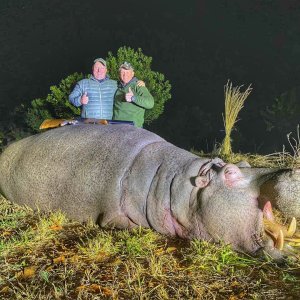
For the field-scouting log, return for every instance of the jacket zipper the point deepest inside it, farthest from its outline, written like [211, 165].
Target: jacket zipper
[101, 116]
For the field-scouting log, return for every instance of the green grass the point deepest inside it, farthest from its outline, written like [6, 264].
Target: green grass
[137, 243]
[47, 256]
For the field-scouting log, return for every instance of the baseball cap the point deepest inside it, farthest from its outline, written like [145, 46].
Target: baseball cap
[126, 65]
[101, 60]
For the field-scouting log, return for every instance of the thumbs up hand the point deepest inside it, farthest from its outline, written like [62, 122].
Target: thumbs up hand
[84, 98]
[129, 95]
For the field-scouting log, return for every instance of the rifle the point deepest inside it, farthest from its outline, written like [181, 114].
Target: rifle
[53, 123]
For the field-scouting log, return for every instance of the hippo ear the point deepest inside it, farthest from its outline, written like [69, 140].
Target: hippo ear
[201, 181]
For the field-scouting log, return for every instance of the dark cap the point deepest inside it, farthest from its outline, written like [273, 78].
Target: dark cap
[101, 60]
[126, 65]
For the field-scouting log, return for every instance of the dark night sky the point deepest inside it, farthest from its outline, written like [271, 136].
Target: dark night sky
[198, 45]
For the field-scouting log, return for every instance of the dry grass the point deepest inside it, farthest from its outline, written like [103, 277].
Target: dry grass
[274, 160]
[283, 159]
[292, 159]
[46, 256]
[234, 102]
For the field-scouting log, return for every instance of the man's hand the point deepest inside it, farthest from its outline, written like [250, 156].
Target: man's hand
[129, 95]
[84, 98]
[141, 83]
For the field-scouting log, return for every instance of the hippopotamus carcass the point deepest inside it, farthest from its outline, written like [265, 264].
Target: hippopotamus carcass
[122, 176]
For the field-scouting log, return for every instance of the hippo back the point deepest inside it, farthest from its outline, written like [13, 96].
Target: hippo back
[70, 163]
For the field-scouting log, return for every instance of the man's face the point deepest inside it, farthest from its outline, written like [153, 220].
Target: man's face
[126, 75]
[99, 70]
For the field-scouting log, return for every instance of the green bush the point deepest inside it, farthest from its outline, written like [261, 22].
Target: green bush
[13, 127]
[57, 105]
[283, 115]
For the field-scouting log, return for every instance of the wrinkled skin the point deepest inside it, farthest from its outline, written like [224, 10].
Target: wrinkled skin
[283, 190]
[121, 176]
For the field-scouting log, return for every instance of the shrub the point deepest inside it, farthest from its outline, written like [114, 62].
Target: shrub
[283, 115]
[55, 105]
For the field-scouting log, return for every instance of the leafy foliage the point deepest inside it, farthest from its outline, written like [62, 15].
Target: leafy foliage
[14, 127]
[283, 115]
[55, 105]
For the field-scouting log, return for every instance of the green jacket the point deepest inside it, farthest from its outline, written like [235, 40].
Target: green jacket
[132, 111]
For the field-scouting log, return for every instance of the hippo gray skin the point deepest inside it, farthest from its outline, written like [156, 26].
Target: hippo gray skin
[121, 176]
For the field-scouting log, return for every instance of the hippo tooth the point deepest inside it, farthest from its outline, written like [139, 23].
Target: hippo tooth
[272, 228]
[296, 244]
[292, 240]
[279, 242]
[292, 228]
[271, 233]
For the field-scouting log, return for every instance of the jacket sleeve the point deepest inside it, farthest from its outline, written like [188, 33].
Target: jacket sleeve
[76, 94]
[142, 97]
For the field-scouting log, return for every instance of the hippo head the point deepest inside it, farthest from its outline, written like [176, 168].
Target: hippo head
[229, 210]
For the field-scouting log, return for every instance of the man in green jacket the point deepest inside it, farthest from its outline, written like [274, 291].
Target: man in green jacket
[131, 100]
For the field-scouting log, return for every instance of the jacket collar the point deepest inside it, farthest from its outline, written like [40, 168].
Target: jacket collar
[100, 80]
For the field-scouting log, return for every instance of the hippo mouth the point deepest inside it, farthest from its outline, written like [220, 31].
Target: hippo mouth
[280, 238]
[281, 234]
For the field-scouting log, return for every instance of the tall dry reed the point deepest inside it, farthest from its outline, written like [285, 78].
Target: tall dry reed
[234, 102]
